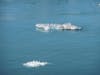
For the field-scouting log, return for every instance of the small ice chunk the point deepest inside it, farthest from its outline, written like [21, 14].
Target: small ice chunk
[34, 64]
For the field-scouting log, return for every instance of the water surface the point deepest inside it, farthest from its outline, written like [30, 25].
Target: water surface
[69, 52]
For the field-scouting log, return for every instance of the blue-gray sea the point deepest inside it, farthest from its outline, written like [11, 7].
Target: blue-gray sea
[68, 52]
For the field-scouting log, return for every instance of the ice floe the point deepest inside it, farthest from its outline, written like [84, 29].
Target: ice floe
[48, 27]
[33, 64]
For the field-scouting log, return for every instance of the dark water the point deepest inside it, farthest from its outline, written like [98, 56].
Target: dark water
[69, 52]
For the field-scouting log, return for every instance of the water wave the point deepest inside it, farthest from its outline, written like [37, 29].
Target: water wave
[33, 64]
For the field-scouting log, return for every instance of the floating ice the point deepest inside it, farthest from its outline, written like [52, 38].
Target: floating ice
[48, 27]
[34, 64]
